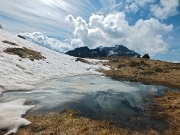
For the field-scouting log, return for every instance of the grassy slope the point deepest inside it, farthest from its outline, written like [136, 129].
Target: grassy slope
[144, 70]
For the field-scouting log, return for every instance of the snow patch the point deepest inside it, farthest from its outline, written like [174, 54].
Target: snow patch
[98, 64]
[10, 115]
[23, 74]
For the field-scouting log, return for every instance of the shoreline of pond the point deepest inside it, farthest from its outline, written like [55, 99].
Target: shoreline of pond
[71, 115]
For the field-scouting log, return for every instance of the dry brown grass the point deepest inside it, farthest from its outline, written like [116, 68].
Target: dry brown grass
[10, 43]
[25, 53]
[83, 60]
[161, 108]
[167, 107]
[144, 70]
[67, 122]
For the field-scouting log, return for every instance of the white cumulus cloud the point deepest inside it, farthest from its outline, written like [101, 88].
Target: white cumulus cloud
[43, 40]
[146, 36]
[165, 9]
[45, 16]
[135, 5]
[143, 2]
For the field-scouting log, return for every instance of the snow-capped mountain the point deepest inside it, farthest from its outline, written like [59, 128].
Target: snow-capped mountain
[118, 50]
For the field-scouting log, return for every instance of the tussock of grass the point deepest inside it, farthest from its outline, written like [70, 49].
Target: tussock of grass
[10, 43]
[25, 53]
[83, 60]
[158, 69]
[134, 64]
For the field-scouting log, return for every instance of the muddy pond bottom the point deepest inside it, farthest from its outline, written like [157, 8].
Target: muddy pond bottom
[94, 96]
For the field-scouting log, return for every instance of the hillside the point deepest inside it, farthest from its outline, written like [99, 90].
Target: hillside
[144, 70]
[22, 66]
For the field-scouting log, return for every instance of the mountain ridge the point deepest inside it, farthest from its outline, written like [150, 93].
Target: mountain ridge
[117, 50]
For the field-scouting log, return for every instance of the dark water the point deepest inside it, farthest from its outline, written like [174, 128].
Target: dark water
[92, 95]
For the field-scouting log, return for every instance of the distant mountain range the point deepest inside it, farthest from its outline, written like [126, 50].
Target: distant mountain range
[118, 50]
[85, 52]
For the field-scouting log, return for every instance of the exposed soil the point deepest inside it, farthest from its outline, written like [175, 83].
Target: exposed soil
[10, 43]
[25, 53]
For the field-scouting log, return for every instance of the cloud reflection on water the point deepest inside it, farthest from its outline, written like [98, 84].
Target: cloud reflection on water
[94, 96]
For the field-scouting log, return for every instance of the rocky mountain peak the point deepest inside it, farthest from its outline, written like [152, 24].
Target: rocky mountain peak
[117, 50]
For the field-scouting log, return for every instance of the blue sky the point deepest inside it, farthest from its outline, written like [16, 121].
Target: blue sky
[146, 26]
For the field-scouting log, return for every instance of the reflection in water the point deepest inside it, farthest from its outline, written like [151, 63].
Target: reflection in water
[93, 96]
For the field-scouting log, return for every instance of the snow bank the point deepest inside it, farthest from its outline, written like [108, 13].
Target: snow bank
[10, 115]
[23, 74]
[98, 62]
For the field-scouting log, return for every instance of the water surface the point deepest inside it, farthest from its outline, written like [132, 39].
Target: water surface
[93, 96]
